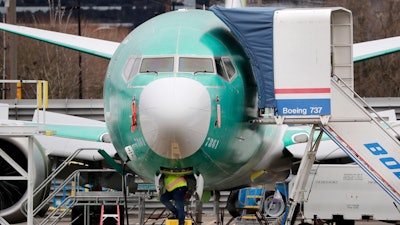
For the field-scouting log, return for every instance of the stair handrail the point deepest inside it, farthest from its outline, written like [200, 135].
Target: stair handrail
[73, 176]
[356, 96]
[59, 168]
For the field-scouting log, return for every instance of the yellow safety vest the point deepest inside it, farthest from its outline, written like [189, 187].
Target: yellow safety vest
[172, 182]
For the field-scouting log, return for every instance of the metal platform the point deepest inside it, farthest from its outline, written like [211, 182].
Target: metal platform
[26, 136]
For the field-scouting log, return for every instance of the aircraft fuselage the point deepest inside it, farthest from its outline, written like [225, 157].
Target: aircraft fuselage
[179, 92]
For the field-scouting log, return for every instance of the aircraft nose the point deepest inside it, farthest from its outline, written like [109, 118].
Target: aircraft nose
[175, 114]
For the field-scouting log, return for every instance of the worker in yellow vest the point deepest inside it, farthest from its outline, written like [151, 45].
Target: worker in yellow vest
[175, 189]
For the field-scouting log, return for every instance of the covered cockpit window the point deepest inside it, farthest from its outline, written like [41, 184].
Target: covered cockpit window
[196, 65]
[157, 65]
[229, 68]
[131, 68]
[225, 67]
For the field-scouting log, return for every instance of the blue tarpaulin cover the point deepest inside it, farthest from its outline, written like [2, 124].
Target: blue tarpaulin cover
[253, 28]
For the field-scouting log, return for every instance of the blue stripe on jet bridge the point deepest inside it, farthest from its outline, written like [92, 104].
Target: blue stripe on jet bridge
[303, 107]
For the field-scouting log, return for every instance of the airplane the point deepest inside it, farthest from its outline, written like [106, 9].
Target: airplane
[179, 93]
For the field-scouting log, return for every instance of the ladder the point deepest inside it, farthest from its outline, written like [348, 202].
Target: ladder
[104, 216]
[252, 201]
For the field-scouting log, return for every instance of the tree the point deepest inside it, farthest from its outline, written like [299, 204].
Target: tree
[41, 61]
[373, 20]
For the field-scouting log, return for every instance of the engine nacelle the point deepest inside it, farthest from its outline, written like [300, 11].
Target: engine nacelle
[13, 193]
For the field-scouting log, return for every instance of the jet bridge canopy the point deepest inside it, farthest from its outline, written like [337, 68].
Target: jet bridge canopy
[253, 28]
[293, 53]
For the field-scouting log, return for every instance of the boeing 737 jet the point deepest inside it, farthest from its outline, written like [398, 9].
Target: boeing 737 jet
[179, 93]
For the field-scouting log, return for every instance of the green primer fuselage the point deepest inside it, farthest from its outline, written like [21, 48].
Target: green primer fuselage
[232, 149]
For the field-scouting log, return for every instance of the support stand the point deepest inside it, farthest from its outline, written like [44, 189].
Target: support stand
[297, 193]
[26, 138]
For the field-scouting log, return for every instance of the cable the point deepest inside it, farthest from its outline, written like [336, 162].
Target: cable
[124, 190]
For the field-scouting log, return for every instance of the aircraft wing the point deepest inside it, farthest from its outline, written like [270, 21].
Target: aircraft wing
[65, 134]
[92, 46]
[105, 49]
[295, 141]
[327, 149]
[296, 137]
[372, 49]
[62, 140]
[64, 147]
[73, 127]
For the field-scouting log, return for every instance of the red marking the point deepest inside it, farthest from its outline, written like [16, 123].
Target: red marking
[134, 121]
[218, 115]
[302, 90]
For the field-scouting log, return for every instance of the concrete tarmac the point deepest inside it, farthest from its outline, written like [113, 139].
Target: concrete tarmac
[208, 219]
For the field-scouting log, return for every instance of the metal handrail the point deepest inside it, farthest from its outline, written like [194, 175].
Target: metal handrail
[73, 176]
[47, 181]
[356, 96]
[72, 201]
[60, 168]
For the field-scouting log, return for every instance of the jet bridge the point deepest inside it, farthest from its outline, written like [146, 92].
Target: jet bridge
[313, 84]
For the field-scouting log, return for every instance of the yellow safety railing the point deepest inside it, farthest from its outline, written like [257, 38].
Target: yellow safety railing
[42, 89]
[42, 94]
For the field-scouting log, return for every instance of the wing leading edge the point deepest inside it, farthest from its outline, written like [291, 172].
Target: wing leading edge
[105, 49]
[92, 46]
[376, 48]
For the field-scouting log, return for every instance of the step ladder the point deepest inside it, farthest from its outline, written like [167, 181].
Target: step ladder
[104, 216]
[252, 201]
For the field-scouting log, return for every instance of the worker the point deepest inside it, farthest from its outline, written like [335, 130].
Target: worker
[175, 189]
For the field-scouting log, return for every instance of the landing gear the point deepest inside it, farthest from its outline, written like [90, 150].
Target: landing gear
[273, 206]
[233, 205]
[196, 209]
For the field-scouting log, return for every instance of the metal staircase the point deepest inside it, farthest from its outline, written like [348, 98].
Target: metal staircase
[82, 198]
[366, 138]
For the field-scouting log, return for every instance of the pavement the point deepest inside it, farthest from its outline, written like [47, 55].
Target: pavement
[210, 219]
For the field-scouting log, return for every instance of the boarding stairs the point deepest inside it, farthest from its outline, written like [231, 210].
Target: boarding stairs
[368, 140]
[364, 136]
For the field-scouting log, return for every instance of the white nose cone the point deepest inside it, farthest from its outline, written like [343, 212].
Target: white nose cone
[175, 114]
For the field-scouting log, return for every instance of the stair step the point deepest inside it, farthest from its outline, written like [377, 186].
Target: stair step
[249, 217]
[253, 196]
[251, 207]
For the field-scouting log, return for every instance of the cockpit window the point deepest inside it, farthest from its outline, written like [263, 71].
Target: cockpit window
[220, 67]
[131, 68]
[157, 65]
[194, 65]
[229, 68]
[225, 67]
